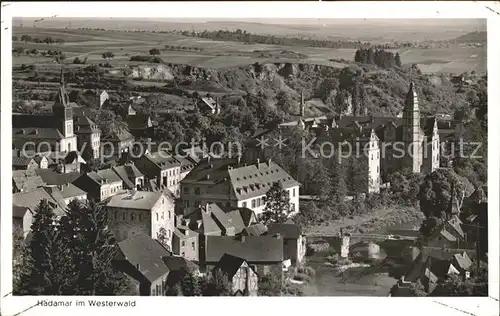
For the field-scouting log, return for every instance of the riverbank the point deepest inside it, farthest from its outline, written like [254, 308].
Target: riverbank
[378, 220]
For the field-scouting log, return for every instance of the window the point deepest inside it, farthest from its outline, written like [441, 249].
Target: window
[263, 199]
[140, 217]
[378, 155]
[185, 190]
[371, 157]
[253, 203]
[183, 254]
[116, 215]
[169, 233]
[153, 293]
[157, 217]
[244, 204]
[293, 192]
[169, 215]
[377, 169]
[162, 215]
[193, 245]
[183, 243]
[197, 191]
[123, 215]
[132, 217]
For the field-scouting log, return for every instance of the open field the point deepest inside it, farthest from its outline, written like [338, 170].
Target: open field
[216, 54]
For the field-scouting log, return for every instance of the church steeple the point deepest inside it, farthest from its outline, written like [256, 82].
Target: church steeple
[62, 109]
[411, 130]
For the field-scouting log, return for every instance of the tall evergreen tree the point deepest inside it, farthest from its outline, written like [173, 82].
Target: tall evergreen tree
[217, 284]
[277, 207]
[93, 245]
[51, 271]
[358, 57]
[397, 60]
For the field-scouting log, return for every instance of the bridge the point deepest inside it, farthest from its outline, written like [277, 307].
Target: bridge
[361, 236]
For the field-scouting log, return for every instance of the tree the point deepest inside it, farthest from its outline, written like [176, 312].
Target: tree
[154, 51]
[417, 289]
[190, 285]
[108, 55]
[397, 60]
[93, 247]
[278, 206]
[51, 271]
[270, 285]
[14, 38]
[20, 257]
[26, 38]
[217, 284]
[48, 40]
[434, 196]
[77, 61]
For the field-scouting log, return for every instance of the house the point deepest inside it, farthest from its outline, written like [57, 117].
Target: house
[186, 165]
[366, 251]
[230, 183]
[55, 131]
[103, 98]
[53, 178]
[140, 212]
[117, 142]
[243, 279]
[25, 204]
[140, 125]
[185, 243]
[68, 192]
[132, 178]
[89, 136]
[100, 185]
[24, 163]
[264, 254]
[43, 162]
[142, 258]
[294, 243]
[208, 105]
[257, 229]
[161, 166]
[195, 153]
[24, 181]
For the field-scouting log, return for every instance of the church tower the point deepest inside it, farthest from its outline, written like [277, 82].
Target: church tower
[63, 114]
[411, 131]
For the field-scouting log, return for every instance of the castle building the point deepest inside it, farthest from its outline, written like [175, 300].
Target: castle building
[409, 141]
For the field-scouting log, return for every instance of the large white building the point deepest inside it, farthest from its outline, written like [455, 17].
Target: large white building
[228, 182]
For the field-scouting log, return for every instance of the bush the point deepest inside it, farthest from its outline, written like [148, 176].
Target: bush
[293, 290]
[302, 277]
[308, 271]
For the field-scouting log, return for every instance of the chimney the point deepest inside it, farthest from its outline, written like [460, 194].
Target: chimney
[277, 236]
[186, 232]
[269, 161]
[258, 161]
[138, 267]
[241, 238]
[208, 176]
[239, 159]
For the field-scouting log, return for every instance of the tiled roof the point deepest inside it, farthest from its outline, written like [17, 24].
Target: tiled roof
[255, 230]
[253, 249]
[186, 164]
[234, 217]
[180, 232]
[246, 181]
[24, 201]
[208, 223]
[69, 190]
[163, 160]
[139, 121]
[26, 181]
[21, 161]
[175, 263]
[463, 261]
[36, 133]
[51, 177]
[443, 232]
[127, 173]
[119, 135]
[103, 175]
[455, 223]
[229, 264]
[84, 125]
[146, 252]
[142, 200]
[287, 231]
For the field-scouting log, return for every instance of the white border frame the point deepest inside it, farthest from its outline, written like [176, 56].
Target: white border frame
[316, 10]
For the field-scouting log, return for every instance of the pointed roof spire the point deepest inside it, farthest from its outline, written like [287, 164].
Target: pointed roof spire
[411, 102]
[454, 205]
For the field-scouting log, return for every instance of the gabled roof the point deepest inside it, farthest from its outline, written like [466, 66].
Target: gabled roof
[287, 231]
[445, 234]
[118, 135]
[26, 182]
[104, 175]
[25, 201]
[51, 177]
[147, 253]
[141, 200]
[84, 125]
[230, 264]
[455, 222]
[255, 230]
[163, 160]
[21, 161]
[247, 181]
[128, 172]
[37, 133]
[253, 249]
[65, 191]
[463, 261]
